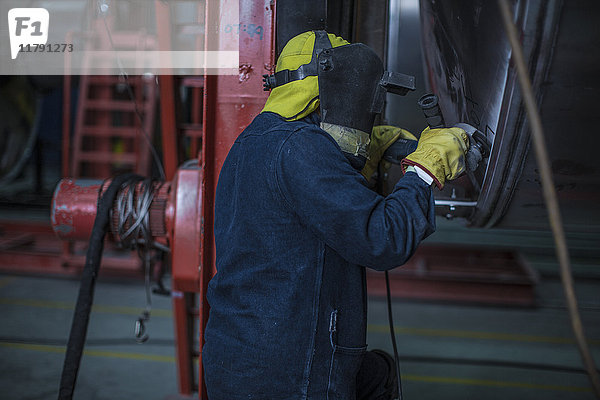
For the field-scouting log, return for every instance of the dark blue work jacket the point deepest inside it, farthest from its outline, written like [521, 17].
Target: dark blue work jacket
[295, 225]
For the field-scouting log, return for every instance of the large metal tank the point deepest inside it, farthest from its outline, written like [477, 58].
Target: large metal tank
[468, 65]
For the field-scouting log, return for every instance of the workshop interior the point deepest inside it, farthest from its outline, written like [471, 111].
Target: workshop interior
[113, 176]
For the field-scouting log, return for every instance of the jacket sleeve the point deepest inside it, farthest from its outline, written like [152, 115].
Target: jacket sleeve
[331, 198]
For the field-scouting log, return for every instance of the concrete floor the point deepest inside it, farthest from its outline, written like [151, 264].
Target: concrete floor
[37, 313]
[448, 351]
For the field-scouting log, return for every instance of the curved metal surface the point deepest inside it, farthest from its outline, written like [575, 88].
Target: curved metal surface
[567, 91]
[74, 206]
[467, 60]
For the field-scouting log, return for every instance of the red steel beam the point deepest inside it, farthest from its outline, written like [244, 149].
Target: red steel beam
[184, 331]
[460, 274]
[41, 253]
[168, 116]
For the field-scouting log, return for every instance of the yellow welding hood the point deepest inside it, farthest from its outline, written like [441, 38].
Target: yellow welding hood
[298, 98]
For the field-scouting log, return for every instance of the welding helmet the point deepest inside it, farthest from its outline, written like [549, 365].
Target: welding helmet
[294, 88]
[350, 89]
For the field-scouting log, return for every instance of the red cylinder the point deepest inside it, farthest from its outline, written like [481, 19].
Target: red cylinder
[74, 206]
[75, 202]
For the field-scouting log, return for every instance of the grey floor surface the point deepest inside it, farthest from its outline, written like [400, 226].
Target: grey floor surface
[448, 351]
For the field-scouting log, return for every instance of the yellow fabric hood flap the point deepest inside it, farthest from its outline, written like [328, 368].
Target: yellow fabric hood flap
[297, 99]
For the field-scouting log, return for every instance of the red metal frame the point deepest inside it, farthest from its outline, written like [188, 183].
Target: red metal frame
[39, 251]
[229, 103]
[460, 274]
[167, 93]
[185, 313]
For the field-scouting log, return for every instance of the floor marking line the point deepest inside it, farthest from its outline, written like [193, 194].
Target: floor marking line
[63, 305]
[463, 334]
[6, 281]
[475, 335]
[89, 352]
[407, 377]
[486, 382]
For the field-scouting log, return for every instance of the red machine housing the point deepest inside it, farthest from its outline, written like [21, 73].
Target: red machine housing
[173, 219]
[182, 211]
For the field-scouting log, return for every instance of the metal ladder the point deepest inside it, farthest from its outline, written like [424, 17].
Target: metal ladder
[109, 135]
[113, 124]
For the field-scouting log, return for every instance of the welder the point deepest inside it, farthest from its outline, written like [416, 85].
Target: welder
[296, 224]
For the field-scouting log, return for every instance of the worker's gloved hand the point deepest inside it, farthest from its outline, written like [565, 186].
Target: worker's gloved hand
[382, 137]
[440, 153]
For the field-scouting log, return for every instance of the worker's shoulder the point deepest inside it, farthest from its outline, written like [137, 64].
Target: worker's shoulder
[269, 130]
[305, 132]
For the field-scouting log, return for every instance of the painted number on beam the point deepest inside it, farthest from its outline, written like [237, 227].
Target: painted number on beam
[249, 29]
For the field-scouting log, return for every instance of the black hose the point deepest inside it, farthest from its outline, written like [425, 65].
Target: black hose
[85, 298]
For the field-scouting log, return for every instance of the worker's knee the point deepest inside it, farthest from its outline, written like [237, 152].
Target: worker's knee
[376, 379]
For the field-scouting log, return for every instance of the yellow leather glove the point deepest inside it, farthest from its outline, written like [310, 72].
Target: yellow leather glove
[440, 153]
[382, 137]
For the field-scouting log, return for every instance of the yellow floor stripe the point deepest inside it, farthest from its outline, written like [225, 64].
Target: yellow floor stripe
[406, 377]
[462, 334]
[93, 353]
[474, 335]
[6, 281]
[63, 305]
[485, 382]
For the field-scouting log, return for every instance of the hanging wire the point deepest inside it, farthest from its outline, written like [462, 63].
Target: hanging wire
[393, 335]
[380, 190]
[133, 212]
[550, 197]
[103, 7]
[132, 208]
[140, 325]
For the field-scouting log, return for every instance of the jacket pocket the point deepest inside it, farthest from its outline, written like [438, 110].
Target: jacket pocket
[344, 365]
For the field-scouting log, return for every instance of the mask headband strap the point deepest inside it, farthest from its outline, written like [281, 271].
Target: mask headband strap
[285, 76]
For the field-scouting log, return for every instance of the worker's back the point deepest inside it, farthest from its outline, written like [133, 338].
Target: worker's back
[293, 220]
[264, 329]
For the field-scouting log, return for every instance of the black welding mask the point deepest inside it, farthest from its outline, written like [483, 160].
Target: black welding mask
[352, 88]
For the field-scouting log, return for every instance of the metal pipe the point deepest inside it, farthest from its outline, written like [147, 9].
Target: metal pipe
[550, 197]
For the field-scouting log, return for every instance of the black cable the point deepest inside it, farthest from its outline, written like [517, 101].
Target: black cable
[140, 324]
[135, 105]
[393, 334]
[379, 188]
[81, 316]
[160, 288]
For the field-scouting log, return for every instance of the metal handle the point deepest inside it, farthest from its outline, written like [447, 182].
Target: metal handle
[430, 107]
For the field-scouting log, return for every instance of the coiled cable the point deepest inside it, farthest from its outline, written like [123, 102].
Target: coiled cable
[132, 207]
